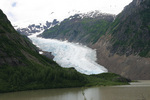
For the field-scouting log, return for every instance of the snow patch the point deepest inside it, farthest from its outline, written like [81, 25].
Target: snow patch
[40, 52]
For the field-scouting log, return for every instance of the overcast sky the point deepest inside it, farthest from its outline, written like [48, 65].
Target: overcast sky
[35, 11]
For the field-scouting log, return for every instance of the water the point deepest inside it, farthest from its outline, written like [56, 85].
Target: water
[82, 58]
[135, 91]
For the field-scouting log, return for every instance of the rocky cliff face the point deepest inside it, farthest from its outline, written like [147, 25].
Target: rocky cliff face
[125, 48]
[131, 30]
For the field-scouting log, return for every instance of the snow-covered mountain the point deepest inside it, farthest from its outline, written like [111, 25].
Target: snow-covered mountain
[94, 14]
[36, 28]
[85, 28]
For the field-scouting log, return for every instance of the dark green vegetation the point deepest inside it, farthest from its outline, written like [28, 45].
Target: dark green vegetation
[106, 79]
[22, 68]
[38, 77]
[131, 30]
[84, 30]
[21, 78]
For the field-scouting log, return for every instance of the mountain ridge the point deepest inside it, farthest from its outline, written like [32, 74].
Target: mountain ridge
[36, 28]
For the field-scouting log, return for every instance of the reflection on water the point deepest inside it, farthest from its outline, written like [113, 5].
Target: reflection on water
[136, 91]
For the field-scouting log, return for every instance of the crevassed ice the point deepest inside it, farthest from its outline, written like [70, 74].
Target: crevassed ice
[66, 54]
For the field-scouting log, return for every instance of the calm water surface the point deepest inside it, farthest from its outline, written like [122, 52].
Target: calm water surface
[136, 91]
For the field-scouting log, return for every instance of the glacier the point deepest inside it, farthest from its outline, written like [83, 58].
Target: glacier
[68, 55]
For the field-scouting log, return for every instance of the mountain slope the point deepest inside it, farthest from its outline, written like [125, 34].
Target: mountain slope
[131, 30]
[82, 28]
[22, 68]
[15, 50]
[125, 48]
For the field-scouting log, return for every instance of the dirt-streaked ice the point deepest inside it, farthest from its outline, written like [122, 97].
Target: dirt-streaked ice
[82, 58]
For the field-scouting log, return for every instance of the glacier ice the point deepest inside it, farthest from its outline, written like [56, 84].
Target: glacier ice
[67, 55]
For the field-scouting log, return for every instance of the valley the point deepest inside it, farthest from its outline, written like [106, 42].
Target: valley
[89, 49]
[121, 42]
[23, 68]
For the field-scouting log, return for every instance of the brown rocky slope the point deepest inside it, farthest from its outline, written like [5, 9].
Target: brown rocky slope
[133, 67]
